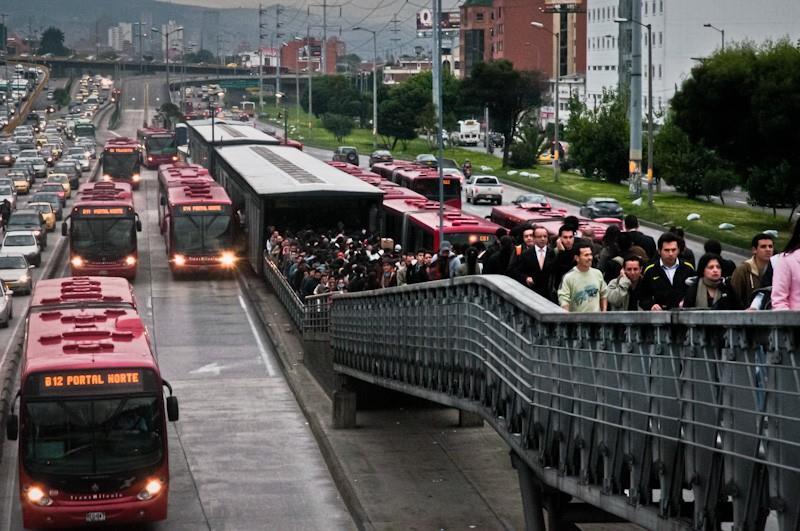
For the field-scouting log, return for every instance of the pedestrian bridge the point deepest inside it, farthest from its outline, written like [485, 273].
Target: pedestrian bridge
[674, 420]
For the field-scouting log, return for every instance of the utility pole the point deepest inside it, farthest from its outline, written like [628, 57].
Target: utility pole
[437, 104]
[635, 109]
[261, 35]
[325, 6]
[395, 36]
[278, 35]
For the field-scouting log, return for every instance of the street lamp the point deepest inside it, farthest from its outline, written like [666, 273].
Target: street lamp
[722, 32]
[280, 96]
[649, 28]
[166, 48]
[557, 147]
[374, 84]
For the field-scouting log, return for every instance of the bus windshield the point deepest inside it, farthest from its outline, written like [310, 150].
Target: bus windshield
[103, 238]
[84, 130]
[103, 436]
[161, 145]
[121, 164]
[430, 188]
[202, 233]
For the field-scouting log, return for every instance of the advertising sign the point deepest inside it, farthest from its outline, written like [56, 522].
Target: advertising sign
[450, 20]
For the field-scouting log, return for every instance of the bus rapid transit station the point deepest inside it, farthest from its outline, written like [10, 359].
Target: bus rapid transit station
[121, 161]
[157, 146]
[102, 231]
[205, 135]
[92, 415]
[196, 218]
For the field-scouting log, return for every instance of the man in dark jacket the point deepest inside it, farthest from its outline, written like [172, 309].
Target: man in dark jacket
[663, 284]
[536, 265]
[637, 238]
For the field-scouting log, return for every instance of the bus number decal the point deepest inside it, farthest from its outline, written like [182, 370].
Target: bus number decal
[92, 379]
[201, 208]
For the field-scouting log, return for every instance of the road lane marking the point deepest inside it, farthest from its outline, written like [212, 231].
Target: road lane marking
[261, 348]
[11, 484]
[114, 133]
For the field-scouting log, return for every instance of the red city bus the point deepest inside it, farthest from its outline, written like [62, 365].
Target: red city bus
[386, 169]
[121, 161]
[197, 220]
[102, 233]
[425, 181]
[92, 424]
[513, 215]
[157, 146]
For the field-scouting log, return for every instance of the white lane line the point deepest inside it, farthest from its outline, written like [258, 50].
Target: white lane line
[741, 202]
[10, 490]
[113, 132]
[261, 348]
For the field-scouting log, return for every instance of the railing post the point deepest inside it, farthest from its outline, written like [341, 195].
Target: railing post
[531, 489]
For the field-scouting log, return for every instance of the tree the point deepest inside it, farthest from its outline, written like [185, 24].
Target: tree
[53, 42]
[338, 125]
[333, 94]
[509, 94]
[61, 97]
[524, 152]
[396, 121]
[742, 104]
[599, 138]
[201, 56]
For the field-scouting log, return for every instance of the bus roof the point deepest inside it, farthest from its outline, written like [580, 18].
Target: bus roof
[409, 205]
[454, 221]
[81, 291]
[230, 134]
[120, 142]
[385, 169]
[67, 339]
[283, 170]
[182, 174]
[105, 192]
[198, 193]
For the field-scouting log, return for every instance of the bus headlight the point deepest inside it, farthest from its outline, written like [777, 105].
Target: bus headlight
[37, 496]
[179, 260]
[135, 177]
[151, 489]
[76, 261]
[227, 259]
[174, 158]
[149, 159]
[130, 260]
[106, 177]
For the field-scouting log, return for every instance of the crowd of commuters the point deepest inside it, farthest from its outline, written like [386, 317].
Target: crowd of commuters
[626, 271]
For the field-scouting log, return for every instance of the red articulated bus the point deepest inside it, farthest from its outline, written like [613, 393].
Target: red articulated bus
[157, 146]
[415, 223]
[425, 181]
[102, 233]
[386, 169]
[121, 161]
[92, 423]
[512, 215]
[197, 220]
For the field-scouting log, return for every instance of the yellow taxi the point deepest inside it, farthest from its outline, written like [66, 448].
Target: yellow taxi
[63, 180]
[46, 209]
[21, 183]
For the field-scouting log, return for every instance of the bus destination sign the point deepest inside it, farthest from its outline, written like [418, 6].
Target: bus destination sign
[121, 150]
[94, 381]
[201, 208]
[103, 211]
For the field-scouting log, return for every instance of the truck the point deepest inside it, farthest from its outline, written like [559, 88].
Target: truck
[469, 132]
[483, 187]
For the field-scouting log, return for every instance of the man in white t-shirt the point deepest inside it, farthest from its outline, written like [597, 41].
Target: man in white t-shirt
[583, 288]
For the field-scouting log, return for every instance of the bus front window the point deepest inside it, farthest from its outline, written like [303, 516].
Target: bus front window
[103, 238]
[121, 165]
[203, 233]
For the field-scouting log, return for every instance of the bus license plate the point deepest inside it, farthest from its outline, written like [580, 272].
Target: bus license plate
[96, 517]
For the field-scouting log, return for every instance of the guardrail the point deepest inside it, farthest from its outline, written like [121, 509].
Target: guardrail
[679, 420]
[311, 316]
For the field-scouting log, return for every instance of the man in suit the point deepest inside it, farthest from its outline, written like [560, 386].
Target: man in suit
[637, 238]
[536, 265]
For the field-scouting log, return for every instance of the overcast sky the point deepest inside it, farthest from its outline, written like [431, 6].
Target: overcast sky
[383, 8]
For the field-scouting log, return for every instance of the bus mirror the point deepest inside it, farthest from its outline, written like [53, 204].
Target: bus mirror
[163, 201]
[138, 225]
[12, 427]
[64, 229]
[172, 408]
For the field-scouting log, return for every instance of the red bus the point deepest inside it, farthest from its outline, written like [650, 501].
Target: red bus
[121, 161]
[92, 424]
[510, 216]
[415, 223]
[102, 233]
[425, 181]
[157, 146]
[197, 220]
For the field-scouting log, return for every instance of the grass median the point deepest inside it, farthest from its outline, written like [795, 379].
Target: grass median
[669, 208]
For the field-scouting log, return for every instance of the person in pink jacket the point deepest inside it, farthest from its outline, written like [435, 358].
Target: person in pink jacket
[786, 278]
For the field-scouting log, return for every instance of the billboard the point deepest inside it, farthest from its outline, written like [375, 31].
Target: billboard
[449, 20]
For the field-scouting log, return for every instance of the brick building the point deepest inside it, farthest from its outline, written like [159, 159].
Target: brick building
[475, 36]
[307, 53]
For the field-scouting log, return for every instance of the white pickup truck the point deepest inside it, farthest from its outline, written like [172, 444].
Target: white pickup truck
[486, 187]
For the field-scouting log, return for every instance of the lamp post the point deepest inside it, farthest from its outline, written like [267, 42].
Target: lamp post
[280, 96]
[720, 30]
[374, 84]
[166, 50]
[557, 147]
[649, 28]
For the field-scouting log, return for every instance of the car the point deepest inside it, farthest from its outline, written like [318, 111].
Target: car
[8, 193]
[601, 207]
[532, 200]
[21, 181]
[50, 95]
[47, 212]
[63, 180]
[15, 274]
[78, 153]
[53, 199]
[380, 155]
[32, 220]
[89, 146]
[346, 154]
[47, 154]
[426, 159]
[70, 169]
[6, 305]
[22, 242]
[483, 187]
[54, 188]
[27, 169]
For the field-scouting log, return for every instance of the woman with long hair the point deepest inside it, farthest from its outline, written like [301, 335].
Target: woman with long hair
[786, 275]
[709, 290]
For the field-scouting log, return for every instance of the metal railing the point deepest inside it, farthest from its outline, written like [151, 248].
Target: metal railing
[672, 420]
[311, 316]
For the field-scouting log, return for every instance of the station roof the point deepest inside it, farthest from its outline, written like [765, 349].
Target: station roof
[230, 134]
[284, 170]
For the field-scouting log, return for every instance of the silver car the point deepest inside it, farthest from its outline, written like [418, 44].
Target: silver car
[8, 192]
[6, 305]
[22, 242]
[16, 274]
